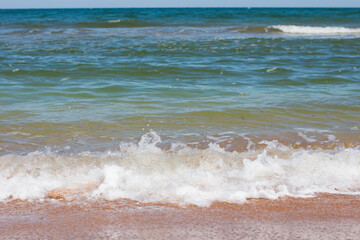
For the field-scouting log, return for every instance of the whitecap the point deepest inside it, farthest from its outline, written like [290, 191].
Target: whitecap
[311, 30]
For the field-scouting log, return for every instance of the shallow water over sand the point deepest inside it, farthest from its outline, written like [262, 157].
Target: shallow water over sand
[182, 106]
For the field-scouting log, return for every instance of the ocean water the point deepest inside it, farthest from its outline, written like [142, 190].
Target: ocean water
[185, 106]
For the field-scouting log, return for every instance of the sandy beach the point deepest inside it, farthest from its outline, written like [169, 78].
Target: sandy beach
[321, 217]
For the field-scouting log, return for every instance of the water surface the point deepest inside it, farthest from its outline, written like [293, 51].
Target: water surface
[149, 82]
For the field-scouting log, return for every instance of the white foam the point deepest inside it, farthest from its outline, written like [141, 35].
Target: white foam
[115, 21]
[310, 30]
[271, 69]
[314, 130]
[331, 138]
[250, 143]
[144, 172]
[306, 138]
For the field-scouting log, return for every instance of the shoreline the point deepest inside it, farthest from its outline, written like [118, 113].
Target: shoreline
[325, 216]
[230, 141]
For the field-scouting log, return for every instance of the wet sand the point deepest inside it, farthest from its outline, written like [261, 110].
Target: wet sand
[321, 217]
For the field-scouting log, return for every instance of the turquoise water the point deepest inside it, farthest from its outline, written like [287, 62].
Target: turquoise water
[105, 74]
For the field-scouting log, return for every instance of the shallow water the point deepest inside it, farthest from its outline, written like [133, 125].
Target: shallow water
[91, 97]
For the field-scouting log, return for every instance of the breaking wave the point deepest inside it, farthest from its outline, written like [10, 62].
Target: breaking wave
[182, 175]
[293, 29]
[297, 30]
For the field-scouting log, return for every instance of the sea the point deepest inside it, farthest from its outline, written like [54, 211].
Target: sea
[184, 106]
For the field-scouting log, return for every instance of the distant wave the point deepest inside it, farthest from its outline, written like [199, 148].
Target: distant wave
[255, 29]
[293, 29]
[300, 30]
[117, 23]
[111, 23]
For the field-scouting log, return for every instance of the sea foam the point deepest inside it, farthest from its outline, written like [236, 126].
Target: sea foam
[294, 29]
[182, 175]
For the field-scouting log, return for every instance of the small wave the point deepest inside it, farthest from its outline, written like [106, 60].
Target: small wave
[327, 80]
[118, 23]
[256, 29]
[115, 21]
[284, 82]
[182, 175]
[299, 30]
[277, 70]
[309, 30]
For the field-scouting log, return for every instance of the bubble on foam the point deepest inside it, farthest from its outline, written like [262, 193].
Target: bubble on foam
[182, 175]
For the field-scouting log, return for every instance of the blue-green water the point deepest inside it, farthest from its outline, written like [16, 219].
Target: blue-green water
[179, 105]
[104, 74]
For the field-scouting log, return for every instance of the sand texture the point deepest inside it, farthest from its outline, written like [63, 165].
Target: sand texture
[322, 217]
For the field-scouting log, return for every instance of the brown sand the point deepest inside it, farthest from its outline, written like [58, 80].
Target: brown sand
[322, 217]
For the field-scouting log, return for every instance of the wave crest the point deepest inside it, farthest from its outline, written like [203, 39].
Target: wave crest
[294, 29]
[118, 23]
[182, 175]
